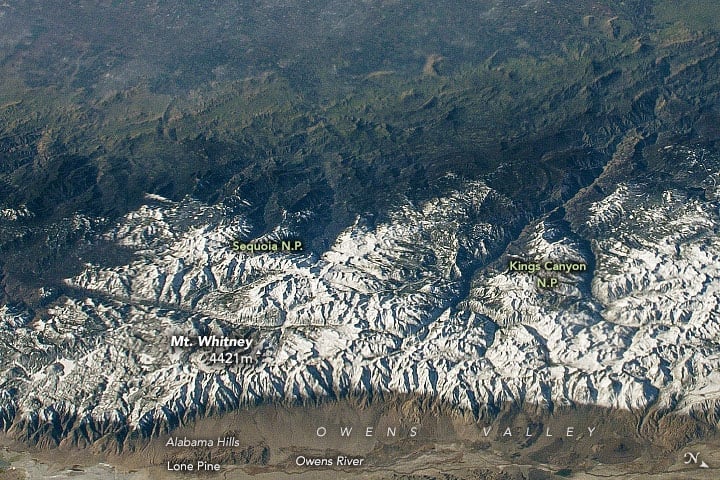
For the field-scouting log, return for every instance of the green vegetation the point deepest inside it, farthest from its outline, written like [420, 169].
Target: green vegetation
[532, 101]
[695, 15]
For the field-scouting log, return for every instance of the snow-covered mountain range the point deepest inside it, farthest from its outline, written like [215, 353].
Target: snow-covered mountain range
[420, 301]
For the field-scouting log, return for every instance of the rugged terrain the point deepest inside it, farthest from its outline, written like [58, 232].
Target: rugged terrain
[413, 179]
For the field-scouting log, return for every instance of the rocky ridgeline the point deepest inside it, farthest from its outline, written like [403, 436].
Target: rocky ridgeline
[424, 303]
